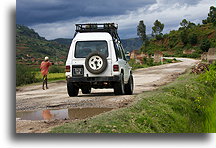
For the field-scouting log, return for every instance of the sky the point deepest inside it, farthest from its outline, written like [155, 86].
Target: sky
[57, 18]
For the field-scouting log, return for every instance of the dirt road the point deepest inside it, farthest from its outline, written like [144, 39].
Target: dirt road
[34, 98]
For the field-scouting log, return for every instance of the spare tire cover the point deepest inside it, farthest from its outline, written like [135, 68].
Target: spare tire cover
[96, 63]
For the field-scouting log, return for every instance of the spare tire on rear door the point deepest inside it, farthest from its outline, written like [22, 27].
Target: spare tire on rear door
[96, 63]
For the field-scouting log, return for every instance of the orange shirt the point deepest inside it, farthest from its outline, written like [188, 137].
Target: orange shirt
[45, 67]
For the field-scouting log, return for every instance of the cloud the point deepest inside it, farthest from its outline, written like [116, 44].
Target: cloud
[48, 11]
[170, 14]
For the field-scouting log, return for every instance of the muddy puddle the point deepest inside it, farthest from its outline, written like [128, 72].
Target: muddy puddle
[72, 113]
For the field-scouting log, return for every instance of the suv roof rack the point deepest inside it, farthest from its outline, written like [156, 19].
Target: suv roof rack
[111, 28]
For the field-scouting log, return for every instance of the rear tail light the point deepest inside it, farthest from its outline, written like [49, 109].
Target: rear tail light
[67, 68]
[115, 67]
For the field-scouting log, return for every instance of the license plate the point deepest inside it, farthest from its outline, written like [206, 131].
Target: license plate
[78, 71]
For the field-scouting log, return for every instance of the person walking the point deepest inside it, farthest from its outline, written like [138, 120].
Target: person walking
[44, 70]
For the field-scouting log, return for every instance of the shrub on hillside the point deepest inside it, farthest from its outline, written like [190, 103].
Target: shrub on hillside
[192, 39]
[184, 37]
[205, 45]
[159, 36]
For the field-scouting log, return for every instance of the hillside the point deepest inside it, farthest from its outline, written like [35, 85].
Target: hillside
[63, 41]
[31, 48]
[131, 44]
[197, 38]
[128, 44]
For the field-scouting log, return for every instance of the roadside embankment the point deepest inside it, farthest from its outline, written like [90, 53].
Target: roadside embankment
[186, 105]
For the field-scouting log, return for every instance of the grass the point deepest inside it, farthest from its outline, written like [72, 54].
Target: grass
[52, 76]
[206, 101]
[170, 109]
[210, 122]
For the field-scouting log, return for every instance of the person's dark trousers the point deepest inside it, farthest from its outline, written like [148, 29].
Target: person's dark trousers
[44, 82]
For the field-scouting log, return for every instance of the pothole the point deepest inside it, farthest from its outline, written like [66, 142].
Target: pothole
[52, 114]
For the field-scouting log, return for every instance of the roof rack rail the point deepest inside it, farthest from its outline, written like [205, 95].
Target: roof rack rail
[103, 27]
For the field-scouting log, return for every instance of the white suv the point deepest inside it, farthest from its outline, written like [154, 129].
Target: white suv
[96, 59]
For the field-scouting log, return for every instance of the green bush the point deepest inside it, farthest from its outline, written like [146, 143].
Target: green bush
[144, 60]
[205, 45]
[193, 39]
[184, 37]
[135, 65]
[150, 62]
[56, 69]
[25, 75]
[168, 60]
[147, 62]
[193, 55]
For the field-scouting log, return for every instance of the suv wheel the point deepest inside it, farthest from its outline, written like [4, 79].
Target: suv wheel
[96, 63]
[86, 90]
[119, 86]
[129, 86]
[72, 89]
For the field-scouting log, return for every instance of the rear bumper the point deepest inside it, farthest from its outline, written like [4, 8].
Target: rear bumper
[94, 79]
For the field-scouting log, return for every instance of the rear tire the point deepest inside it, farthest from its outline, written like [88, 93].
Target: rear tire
[119, 86]
[72, 89]
[129, 86]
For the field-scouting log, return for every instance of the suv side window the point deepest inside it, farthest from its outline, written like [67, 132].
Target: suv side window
[123, 52]
[118, 51]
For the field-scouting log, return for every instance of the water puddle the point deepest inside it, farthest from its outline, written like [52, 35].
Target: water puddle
[72, 113]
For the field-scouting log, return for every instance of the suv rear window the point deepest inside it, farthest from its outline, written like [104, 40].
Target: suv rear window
[83, 48]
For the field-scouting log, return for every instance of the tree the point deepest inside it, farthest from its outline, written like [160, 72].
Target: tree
[186, 24]
[141, 31]
[211, 16]
[157, 29]
[204, 21]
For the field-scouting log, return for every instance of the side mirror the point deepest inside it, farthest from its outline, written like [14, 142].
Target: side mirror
[127, 55]
[127, 58]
